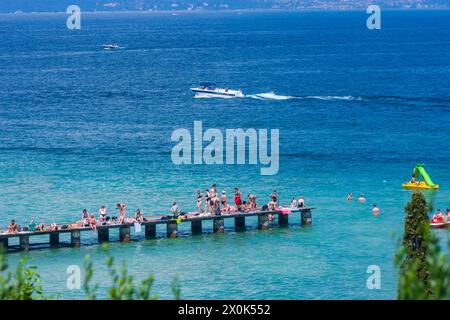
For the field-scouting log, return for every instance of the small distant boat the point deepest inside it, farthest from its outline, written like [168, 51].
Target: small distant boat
[110, 46]
[209, 89]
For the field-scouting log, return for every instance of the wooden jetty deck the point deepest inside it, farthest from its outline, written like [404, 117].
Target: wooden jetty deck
[149, 227]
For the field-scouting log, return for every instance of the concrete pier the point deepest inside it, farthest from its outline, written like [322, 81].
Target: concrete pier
[196, 226]
[125, 233]
[172, 229]
[103, 234]
[150, 231]
[306, 217]
[283, 220]
[54, 239]
[4, 244]
[75, 238]
[24, 241]
[218, 225]
[150, 224]
[239, 223]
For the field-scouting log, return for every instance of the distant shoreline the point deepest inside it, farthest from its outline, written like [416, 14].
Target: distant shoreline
[172, 12]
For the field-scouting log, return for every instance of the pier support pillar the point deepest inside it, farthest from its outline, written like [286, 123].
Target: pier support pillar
[24, 241]
[172, 229]
[196, 226]
[218, 226]
[124, 234]
[54, 239]
[283, 219]
[75, 238]
[306, 217]
[103, 234]
[239, 223]
[150, 231]
[4, 244]
[263, 221]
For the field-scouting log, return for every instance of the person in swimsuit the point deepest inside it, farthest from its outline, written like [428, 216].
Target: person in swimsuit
[362, 199]
[208, 200]
[293, 203]
[237, 198]
[138, 216]
[413, 180]
[93, 222]
[301, 202]
[274, 196]
[447, 212]
[199, 201]
[122, 212]
[223, 199]
[102, 214]
[375, 210]
[13, 227]
[85, 218]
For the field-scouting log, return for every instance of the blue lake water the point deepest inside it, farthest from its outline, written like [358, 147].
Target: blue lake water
[357, 109]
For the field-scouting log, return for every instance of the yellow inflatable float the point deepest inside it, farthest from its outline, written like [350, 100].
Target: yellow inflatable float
[415, 182]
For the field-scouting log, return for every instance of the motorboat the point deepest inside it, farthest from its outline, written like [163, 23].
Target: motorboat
[110, 46]
[210, 90]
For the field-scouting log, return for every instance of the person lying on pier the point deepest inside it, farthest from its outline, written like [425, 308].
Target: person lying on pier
[13, 227]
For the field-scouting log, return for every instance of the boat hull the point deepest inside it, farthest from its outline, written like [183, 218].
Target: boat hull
[423, 186]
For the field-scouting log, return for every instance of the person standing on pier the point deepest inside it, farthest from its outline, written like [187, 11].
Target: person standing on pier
[199, 201]
[122, 212]
[208, 200]
[102, 214]
[238, 198]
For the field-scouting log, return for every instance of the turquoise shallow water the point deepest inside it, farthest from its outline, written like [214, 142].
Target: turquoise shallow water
[81, 127]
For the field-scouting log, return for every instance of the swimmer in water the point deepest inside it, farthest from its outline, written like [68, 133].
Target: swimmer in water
[362, 199]
[375, 210]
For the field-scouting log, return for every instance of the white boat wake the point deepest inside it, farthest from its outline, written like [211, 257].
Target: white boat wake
[273, 96]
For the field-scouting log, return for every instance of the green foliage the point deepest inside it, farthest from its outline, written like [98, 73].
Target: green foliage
[23, 284]
[424, 270]
[123, 286]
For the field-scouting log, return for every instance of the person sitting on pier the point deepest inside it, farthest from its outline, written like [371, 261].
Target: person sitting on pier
[251, 204]
[293, 203]
[122, 212]
[274, 196]
[102, 218]
[32, 225]
[301, 202]
[92, 222]
[54, 227]
[138, 217]
[40, 227]
[13, 227]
